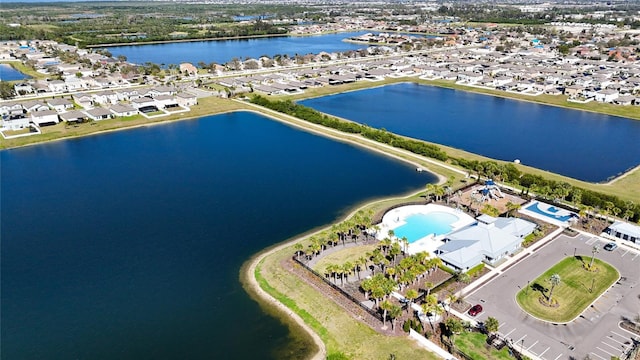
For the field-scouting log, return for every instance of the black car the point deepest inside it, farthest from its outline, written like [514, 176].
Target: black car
[611, 246]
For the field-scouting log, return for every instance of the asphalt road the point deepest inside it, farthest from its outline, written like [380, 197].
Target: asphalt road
[595, 333]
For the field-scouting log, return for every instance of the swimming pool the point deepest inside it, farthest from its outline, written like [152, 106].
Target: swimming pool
[551, 212]
[418, 226]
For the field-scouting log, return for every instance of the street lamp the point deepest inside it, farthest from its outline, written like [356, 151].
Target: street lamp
[521, 346]
[526, 290]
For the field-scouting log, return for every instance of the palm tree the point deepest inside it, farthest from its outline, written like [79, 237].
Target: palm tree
[454, 327]
[386, 305]
[451, 299]
[347, 269]
[428, 285]
[491, 324]
[298, 247]
[366, 285]
[555, 280]
[331, 270]
[391, 272]
[395, 251]
[594, 250]
[394, 313]
[405, 241]
[411, 295]
[357, 266]
[431, 308]
[512, 208]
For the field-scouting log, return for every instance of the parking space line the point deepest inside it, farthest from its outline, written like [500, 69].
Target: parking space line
[545, 350]
[522, 338]
[598, 356]
[633, 258]
[532, 345]
[509, 333]
[605, 351]
[626, 337]
[557, 357]
[619, 342]
[611, 346]
[501, 325]
[591, 241]
[624, 253]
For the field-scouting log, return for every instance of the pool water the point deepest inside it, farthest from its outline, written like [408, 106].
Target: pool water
[420, 225]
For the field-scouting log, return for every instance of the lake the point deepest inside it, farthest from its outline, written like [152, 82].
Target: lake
[222, 51]
[128, 245]
[8, 73]
[582, 145]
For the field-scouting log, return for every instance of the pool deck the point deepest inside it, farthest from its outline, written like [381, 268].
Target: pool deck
[395, 218]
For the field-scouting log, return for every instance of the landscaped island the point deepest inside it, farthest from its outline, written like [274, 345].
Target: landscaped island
[564, 291]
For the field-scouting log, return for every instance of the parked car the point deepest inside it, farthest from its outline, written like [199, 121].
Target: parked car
[475, 310]
[611, 246]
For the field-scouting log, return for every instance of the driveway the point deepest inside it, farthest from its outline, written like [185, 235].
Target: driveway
[595, 333]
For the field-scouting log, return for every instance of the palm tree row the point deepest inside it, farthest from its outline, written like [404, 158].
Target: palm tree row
[346, 231]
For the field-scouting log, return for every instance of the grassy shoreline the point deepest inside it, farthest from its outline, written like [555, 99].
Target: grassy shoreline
[340, 334]
[625, 186]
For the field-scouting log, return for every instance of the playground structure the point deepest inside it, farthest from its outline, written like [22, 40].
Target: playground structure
[491, 191]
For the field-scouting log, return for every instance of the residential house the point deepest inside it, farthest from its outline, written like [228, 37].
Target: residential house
[186, 100]
[574, 91]
[59, 104]
[73, 116]
[165, 101]
[607, 95]
[105, 97]
[57, 86]
[84, 100]
[99, 113]
[15, 122]
[75, 83]
[11, 109]
[123, 110]
[143, 102]
[34, 105]
[45, 117]
[23, 88]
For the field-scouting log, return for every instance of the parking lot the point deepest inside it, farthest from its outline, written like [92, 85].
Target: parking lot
[594, 333]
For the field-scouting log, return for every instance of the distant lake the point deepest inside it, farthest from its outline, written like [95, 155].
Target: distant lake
[128, 245]
[8, 73]
[222, 51]
[578, 144]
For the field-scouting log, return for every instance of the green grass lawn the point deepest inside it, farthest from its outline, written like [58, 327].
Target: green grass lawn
[474, 344]
[340, 257]
[574, 292]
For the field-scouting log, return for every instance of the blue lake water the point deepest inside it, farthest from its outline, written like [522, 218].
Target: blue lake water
[221, 51]
[128, 245]
[578, 144]
[7, 73]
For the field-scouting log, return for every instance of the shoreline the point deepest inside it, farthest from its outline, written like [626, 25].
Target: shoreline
[375, 84]
[252, 286]
[263, 298]
[156, 42]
